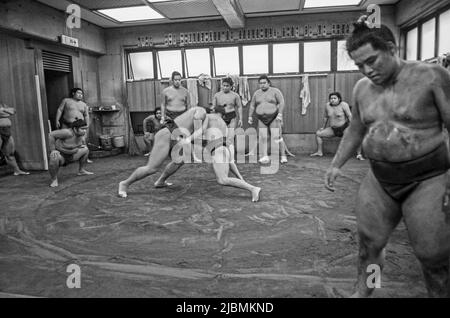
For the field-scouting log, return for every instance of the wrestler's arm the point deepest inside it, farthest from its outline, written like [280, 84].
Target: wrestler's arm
[347, 111]
[280, 99]
[239, 106]
[325, 117]
[188, 100]
[353, 136]
[251, 109]
[57, 134]
[59, 112]
[200, 114]
[441, 92]
[86, 114]
[214, 101]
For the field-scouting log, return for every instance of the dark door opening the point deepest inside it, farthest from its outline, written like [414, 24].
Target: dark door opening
[57, 87]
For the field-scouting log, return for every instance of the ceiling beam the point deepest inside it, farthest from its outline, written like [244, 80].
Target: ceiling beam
[231, 12]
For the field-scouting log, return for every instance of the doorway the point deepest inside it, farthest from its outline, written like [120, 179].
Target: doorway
[57, 87]
[58, 79]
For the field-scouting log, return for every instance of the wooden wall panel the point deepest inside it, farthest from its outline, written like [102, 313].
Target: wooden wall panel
[141, 96]
[345, 83]
[17, 89]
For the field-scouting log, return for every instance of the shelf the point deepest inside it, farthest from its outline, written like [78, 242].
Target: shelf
[105, 111]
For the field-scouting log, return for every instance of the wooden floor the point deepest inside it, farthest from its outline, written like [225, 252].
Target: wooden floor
[196, 239]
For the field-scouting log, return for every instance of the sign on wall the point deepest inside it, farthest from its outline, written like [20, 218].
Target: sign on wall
[294, 32]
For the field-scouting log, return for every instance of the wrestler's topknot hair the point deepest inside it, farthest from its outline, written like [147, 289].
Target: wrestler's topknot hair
[228, 80]
[337, 94]
[78, 123]
[363, 34]
[175, 73]
[264, 77]
[74, 90]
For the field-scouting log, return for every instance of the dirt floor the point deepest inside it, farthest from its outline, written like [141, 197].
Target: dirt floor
[195, 239]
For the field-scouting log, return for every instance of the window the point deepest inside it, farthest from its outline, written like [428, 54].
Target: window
[444, 38]
[344, 62]
[285, 58]
[317, 56]
[129, 14]
[428, 39]
[256, 59]
[197, 61]
[332, 3]
[140, 65]
[169, 61]
[226, 60]
[411, 45]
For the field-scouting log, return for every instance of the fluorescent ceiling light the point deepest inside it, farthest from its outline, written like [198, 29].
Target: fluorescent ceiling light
[330, 3]
[128, 14]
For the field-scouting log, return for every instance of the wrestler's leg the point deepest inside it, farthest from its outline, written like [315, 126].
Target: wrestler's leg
[323, 133]
[82, 156]
[148, 141]
[9, 150]
[262, 138]
[221, 169]
[277, 124]
[169, 170]
[377, 216]
[160, 153]
[231, 132]
[53, 169]
[429, 233]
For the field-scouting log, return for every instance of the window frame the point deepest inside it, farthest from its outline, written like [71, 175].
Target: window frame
[333, 57]
[419, 23]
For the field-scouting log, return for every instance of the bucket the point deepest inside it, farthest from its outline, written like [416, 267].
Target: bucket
[105, 142]
[118, 141]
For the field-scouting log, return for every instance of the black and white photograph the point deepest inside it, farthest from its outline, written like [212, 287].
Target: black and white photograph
[224, 155]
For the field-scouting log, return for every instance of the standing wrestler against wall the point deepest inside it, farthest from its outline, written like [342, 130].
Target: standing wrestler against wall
[174, 99]
[269, 105]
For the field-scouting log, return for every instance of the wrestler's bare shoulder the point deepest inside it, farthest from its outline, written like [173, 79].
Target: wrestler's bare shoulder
[275, 90]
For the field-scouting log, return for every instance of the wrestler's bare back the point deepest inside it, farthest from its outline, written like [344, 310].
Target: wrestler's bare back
[186, 120]
[402, 120]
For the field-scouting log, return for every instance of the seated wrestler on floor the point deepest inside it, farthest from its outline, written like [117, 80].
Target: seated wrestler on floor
[338, 113]
[67, 146]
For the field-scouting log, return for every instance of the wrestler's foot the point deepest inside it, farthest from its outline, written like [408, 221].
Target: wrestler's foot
[122, 190]
[159, 184]
[255, 194]
[317, 154]
[54, 183]
[283, 159]
[21, 173]
[360, 157]
[83, 172]
[264, 160]
[196, 160]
